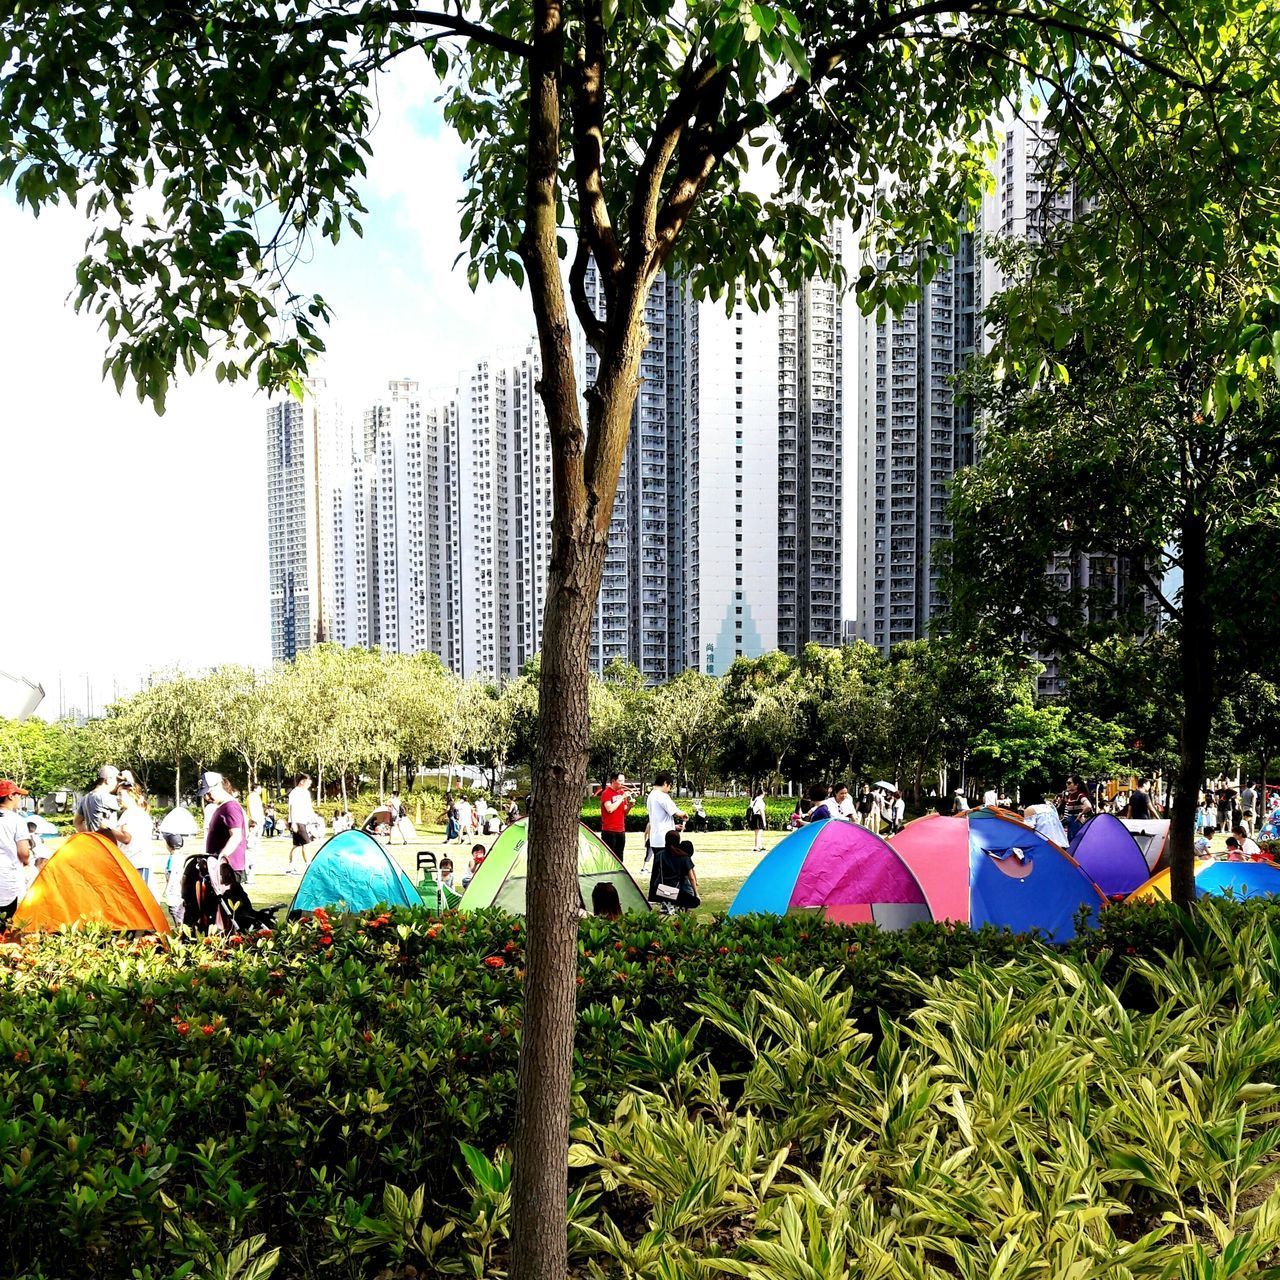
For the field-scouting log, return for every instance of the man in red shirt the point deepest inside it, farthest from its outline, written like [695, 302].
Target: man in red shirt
[616, 802]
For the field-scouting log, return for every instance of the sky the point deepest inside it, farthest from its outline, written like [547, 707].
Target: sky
[141, 540]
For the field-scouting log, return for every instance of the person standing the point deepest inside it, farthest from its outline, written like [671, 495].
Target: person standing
[664, 816]
[757, 819]
[257, 814]
[99, 808]
[866, 801]
[302, 814]
[15, 849]
[1248, 807]
[466, 818]
[135, 818]
[1141, 806]
[616, 801]
[897, 812]
[226, 834]
[1074, 806]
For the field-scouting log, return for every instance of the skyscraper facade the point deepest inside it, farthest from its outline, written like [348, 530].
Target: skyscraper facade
[298, 522]
[914, 432]
[725, 538]
[907, 457]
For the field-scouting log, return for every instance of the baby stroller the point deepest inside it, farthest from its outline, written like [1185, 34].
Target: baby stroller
[200, 907]
[239, 914]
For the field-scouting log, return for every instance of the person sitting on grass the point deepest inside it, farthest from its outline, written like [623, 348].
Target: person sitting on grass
[1249, 847]
[605, 901]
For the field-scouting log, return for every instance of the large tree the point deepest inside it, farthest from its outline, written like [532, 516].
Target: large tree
[206, 140]
[1144, 473]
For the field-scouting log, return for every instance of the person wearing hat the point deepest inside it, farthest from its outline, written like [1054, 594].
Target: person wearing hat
[99, 809]
[15, 849]
[226, 834]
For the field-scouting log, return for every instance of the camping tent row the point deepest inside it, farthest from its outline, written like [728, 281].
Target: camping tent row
[984, 867]
[89, 881]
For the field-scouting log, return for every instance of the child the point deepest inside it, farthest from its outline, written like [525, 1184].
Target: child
[446, 874]
[478, 854]
[174, 868]
[39, 851]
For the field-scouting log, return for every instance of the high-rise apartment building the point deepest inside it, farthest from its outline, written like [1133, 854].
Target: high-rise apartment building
[907, 457]
[640, 616]
[913, 429]
[298, 519]
[725, 537]
[810, 465]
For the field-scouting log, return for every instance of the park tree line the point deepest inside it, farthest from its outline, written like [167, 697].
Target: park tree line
[932, 714]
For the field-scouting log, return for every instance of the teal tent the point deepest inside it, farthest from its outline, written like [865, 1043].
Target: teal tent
[500, 880]
[353, 872]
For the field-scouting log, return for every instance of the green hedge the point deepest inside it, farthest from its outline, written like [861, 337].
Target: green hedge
[274, 1084]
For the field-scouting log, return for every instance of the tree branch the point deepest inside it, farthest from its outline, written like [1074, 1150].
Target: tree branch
[592, 325]
[704, 85]
[588, 148]
[456, 24]
[699, 162]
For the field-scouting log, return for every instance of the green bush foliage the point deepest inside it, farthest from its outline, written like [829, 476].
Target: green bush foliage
[165, 1105]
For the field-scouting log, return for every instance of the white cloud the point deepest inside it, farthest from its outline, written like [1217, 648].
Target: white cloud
[138, 541]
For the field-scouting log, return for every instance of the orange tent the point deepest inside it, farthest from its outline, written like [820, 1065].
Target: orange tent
[89, 881]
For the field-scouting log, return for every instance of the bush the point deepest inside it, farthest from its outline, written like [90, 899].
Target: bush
[160, 1102]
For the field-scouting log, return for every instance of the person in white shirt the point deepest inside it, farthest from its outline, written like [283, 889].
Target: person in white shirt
[15, 849]
[897, 812]
[135, 818]
[846, 806]
[302, 814]
[758, 819]
[1249, 847]
[466, 818]
[990, 798]
[664, 816]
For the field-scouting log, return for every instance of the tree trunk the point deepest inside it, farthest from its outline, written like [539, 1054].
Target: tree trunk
[546, 1052]
[1196, 671]
[177, 783]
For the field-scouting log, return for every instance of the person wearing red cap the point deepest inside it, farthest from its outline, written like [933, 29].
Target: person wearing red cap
[15, 849]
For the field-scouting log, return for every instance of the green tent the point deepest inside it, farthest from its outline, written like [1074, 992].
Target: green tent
[500, 880]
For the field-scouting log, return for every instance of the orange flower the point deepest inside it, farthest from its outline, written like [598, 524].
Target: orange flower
[182, 1028]
[207, 1029]
[495, 962]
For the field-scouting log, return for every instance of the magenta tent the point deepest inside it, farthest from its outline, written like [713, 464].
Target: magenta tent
[1110, 855]
[840, 868]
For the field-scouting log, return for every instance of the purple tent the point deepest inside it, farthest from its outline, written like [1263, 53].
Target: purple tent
[1110, 855]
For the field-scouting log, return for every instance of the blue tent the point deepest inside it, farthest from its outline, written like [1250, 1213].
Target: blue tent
[353, 872]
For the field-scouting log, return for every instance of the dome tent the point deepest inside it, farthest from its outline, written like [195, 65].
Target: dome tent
[989, 868]
[1217, 878]
[1151, 836]
[89, 881]
[501, 878]
[353, 872]
[1107, 852]
[837, 867]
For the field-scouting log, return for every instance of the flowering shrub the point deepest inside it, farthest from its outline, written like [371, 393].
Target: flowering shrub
[163, 1100]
